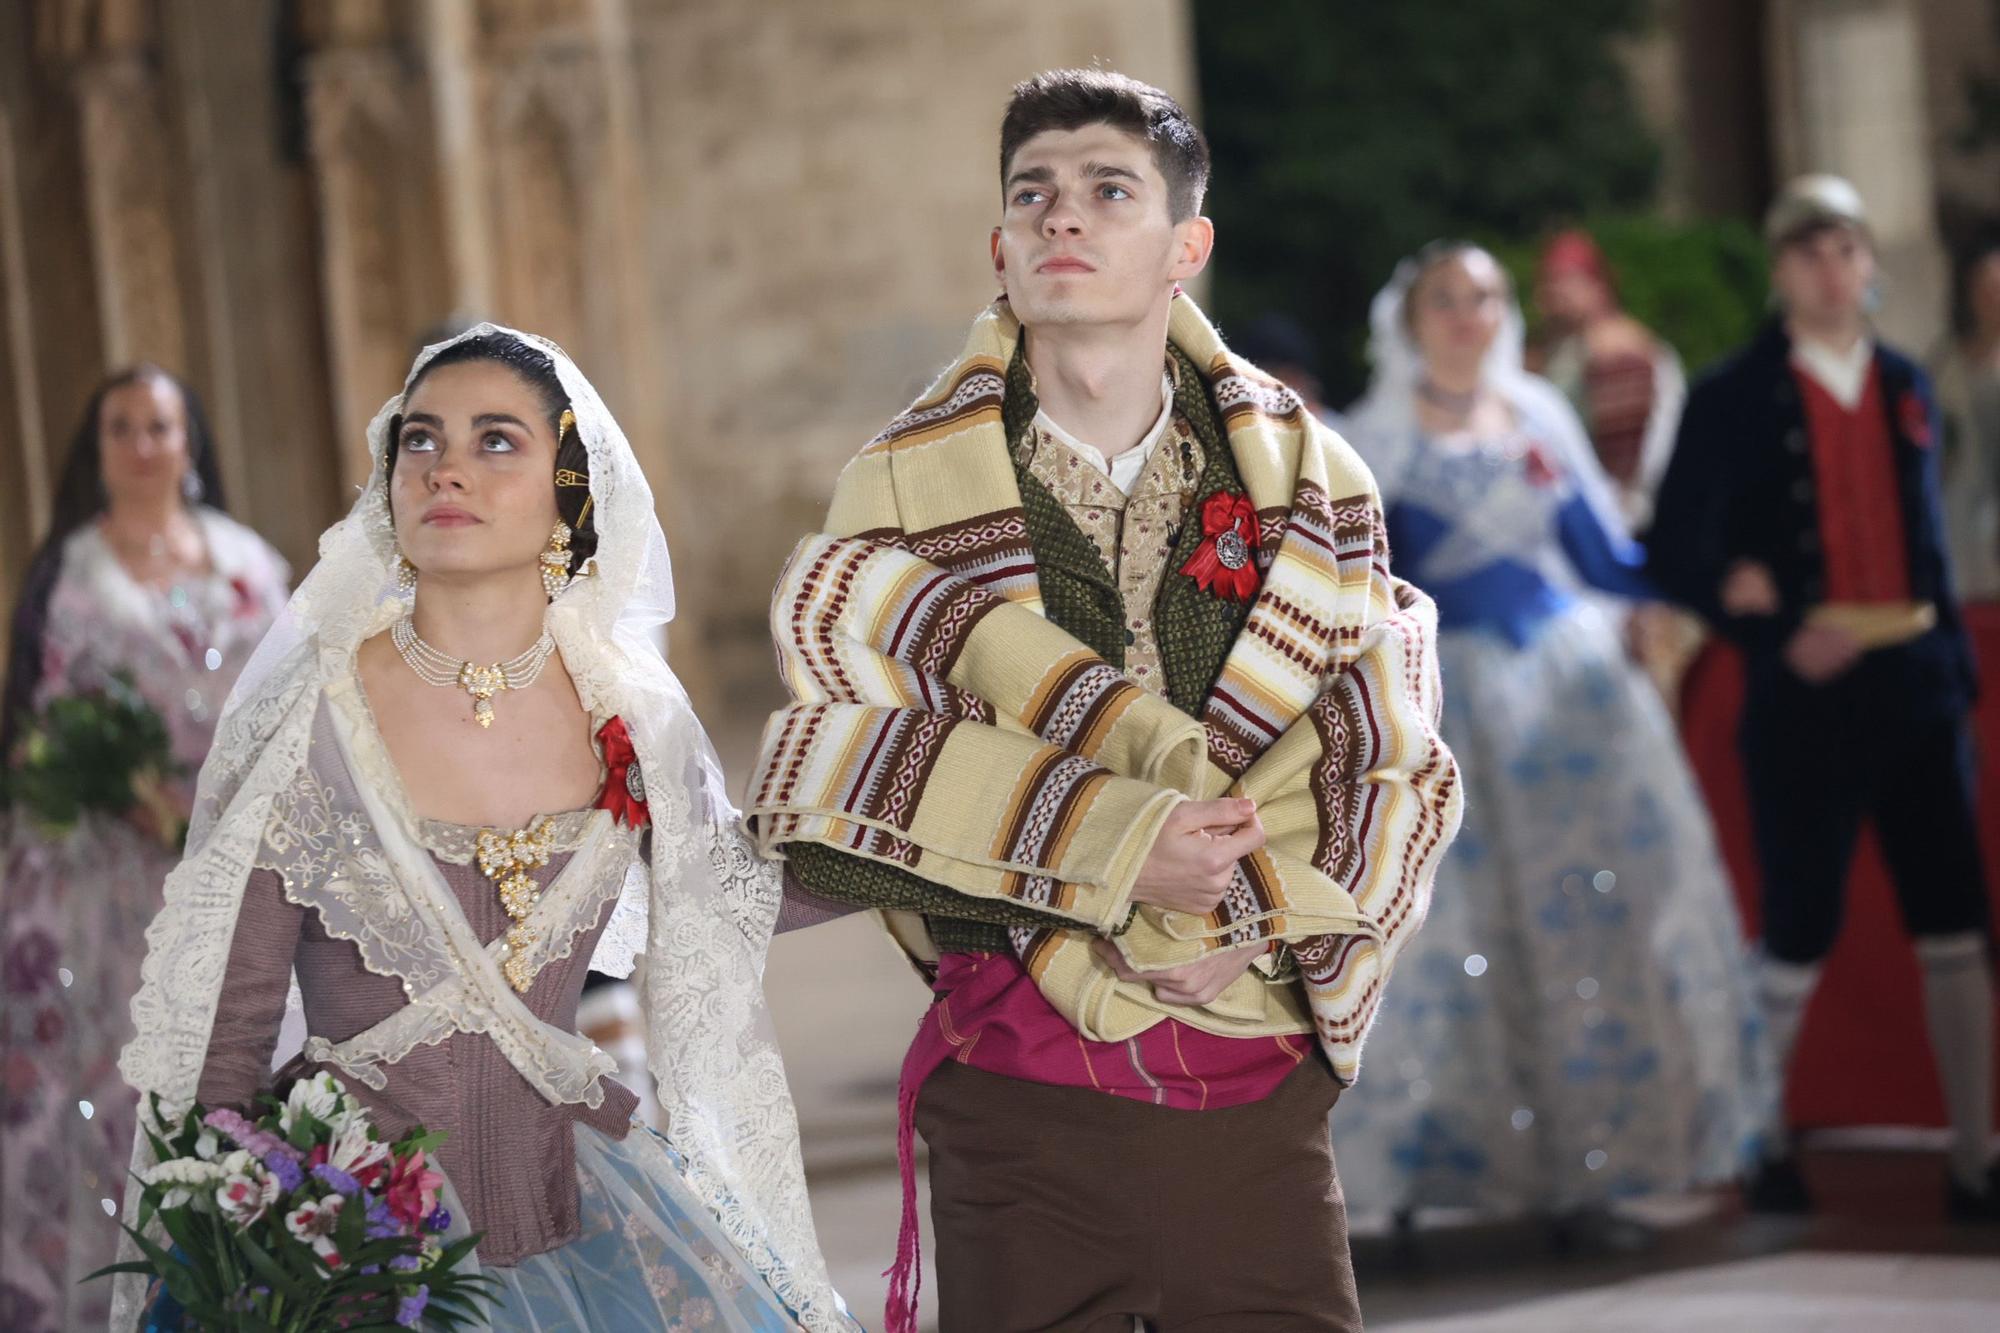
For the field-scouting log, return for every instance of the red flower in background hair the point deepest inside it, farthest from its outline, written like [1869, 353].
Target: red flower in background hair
[624, 793]
[1915, 420]
[1225, 563]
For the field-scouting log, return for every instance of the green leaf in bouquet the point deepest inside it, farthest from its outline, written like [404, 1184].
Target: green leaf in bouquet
[182, 1281]
[140, 1266]
[293, 1286]
[419, 1138]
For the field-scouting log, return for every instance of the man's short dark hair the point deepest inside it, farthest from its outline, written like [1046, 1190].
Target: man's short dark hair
[1069, 99]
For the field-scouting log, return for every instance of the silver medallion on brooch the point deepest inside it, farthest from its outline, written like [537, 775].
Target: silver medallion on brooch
[1231, 551]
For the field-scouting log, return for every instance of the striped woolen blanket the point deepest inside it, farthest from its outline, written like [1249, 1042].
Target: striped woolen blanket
[941, 724]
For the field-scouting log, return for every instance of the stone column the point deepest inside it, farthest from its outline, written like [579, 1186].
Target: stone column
[559, 127]
[1847, 84]
[381, 247]
[129, 167]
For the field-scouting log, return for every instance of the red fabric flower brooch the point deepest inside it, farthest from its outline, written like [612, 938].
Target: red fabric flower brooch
[624, 793]
[1915, 419]
[1225, 564]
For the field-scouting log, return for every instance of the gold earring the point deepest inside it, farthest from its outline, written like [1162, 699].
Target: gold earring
[555, 562]
[406, 574]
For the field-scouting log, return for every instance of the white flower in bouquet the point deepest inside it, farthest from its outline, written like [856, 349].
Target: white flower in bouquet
[189, 1179]
[206, 1145]
[243, 1197]
[352, 1150]
[313, 1222]
[184, 1171]
[318, 1096]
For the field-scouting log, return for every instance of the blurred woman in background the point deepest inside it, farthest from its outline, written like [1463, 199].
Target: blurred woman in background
[1967, 376]
[1575, 1022]
[140, 607]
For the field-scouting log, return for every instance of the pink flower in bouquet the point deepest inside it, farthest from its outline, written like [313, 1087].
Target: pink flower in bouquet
[244, 1196]
[412, 1192]
[259, 1143]
[313, 1222]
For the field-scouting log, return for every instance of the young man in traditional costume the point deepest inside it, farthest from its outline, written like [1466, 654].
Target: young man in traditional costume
[1105, 696]
[1800, 517]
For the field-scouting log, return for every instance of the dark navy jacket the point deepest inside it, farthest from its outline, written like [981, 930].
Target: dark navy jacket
[1741, 486]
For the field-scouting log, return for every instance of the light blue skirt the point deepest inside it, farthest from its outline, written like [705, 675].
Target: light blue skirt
[1575, 1023]
[650, 1255]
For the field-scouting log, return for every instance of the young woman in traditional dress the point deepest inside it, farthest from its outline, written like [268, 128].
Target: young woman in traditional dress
[1575, 1024]
[143, 579]
[459, 774]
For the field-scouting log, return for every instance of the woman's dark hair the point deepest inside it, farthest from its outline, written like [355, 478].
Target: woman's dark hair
[79, 499]
[538, 372]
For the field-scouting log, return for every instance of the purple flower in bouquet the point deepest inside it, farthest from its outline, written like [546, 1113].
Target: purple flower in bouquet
[261, 1143]
[328, 1174]
[405, 1263]
[439, 1220]
[285, 1170]
[411, 1308]
[381, 1222]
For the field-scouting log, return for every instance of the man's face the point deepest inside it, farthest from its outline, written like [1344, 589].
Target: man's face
[1085, 237]
[1824, 275]
[1571, 298]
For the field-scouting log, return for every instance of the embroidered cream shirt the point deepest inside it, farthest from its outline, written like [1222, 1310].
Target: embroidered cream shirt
[1131, 509]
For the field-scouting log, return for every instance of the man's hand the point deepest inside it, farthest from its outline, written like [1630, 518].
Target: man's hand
[1819, 653]
[1195, 856]
[1749, 590]
[1192, 984]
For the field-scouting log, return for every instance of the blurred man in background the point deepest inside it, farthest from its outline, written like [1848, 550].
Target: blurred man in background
[1800, 518]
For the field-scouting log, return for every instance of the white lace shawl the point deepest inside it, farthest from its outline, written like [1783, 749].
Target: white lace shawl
[703, 917]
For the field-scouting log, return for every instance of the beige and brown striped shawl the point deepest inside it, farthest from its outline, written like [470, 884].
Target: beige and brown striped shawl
[942, 725]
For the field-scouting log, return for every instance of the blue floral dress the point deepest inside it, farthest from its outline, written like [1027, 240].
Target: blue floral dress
[1575, 1022]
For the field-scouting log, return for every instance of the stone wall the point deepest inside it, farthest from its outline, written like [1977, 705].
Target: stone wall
[758, 227]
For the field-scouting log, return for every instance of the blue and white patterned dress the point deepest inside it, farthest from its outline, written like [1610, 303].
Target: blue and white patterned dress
[1575, 1022]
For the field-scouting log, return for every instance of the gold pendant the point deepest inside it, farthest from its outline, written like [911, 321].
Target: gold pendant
[518, 894]
[482, 683]
[506, 859]
[515, 964]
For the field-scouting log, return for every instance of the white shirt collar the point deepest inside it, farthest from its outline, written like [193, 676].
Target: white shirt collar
[1125, 469]
[1842, 374]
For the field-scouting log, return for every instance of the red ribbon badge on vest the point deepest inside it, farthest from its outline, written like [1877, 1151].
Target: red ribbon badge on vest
[624, 793]
[1915, 420]
[1225, 563]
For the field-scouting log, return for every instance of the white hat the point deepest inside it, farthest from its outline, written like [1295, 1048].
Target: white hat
[1813, 201]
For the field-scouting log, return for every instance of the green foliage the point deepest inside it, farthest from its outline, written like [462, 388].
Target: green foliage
[102, 750]
[1348, 134]
[1698, 285]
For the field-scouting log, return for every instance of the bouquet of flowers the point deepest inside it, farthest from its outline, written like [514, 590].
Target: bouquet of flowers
[303, 1220]
[99, 749]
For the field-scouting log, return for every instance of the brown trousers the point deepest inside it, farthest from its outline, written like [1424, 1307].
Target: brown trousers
[1072, 1211]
